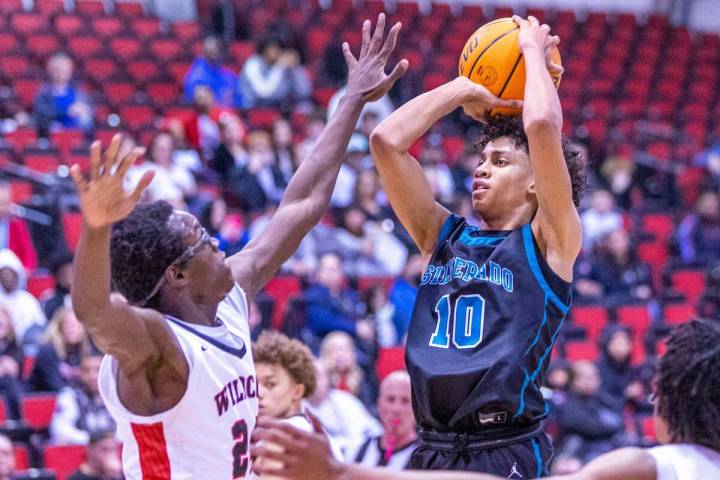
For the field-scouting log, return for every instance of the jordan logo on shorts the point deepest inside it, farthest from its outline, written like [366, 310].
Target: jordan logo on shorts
[514, 472]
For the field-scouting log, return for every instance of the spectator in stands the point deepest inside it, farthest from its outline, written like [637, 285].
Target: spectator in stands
[231, 152]
[208, 70]
[7, 458]
[338, 355]
[172, 182]
[102, 460]
[60, 103]
[58, 358]
[11, 364]
[80, 411]
[589, 424]
[331, 306]
[14, 233]
[342, 414]
[273, 77]
[357, 152]
[202, 127]
[616, 370]
[699, 233]
[379, 309]
[709, 159]
[61, 267]
[228, 229]
[403, 294]
[617, 173]
[27, 316]
[258, 181]
[367, 193]
[600, 219]
[614, 274]
[433, 159]
[284, 149]
[392, 449]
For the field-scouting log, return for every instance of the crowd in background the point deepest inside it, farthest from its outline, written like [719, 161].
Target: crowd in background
[232, 175]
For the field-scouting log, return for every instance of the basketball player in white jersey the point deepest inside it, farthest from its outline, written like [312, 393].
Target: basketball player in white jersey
[178, 376]
[687, 422]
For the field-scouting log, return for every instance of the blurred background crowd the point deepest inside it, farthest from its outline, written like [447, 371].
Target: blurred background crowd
[230, 104]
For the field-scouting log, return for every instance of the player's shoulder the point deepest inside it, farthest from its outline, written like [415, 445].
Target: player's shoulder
[623, 464]
[234, 305]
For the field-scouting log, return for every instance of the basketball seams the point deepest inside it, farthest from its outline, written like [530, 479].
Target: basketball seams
[487, 47]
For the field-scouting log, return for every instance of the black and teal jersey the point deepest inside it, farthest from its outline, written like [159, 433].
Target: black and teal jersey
[488, 311]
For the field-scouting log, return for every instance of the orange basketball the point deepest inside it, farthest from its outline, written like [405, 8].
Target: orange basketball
[492, 58]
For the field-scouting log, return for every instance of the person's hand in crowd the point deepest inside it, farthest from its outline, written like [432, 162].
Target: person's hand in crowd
[81, 111]
[289, 59]
[365, 330]
[643, 292]
[635, 391]
[8, 367]
[588, 288]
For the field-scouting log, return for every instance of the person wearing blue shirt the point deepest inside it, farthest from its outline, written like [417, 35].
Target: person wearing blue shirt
[208, 70]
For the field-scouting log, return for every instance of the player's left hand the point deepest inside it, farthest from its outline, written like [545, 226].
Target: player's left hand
[302, 455]
[534, 35]
[366, 74]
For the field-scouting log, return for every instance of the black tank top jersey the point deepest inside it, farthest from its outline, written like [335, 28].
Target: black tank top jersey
[488, 311]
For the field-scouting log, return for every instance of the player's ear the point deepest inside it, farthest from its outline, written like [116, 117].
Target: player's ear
[176, 276]
[298, 391]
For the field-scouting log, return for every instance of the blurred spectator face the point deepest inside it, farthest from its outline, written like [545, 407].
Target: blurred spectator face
[233, 131]
[557, 378]
[330, 272]
[368, 123]
[71, 330]
[618, 243]
[620, 346]
[585, 378]
[278, 392]
[5, 201]
[354, 221]
[708, 207]
[367, 185]
[7, 457]
[394, 405]
[282, 134]
[103, 457]
[259, 142]
[211, 49]
[89, 370]
[271, 52]
[9, 279]
[60, 69]
[162, 149]
[204, 99]
[338, 352]
[64, 276]
[602, 201]
[218, 212]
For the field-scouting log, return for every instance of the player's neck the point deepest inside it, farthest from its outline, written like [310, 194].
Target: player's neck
[507, 220]
[191, 312]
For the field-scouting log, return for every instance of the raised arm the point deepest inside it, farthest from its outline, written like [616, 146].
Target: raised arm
[402, 177]
[557, 224]
[308, 193]
[134, 336]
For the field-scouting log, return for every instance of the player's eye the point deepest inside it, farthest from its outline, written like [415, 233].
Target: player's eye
[501, 161]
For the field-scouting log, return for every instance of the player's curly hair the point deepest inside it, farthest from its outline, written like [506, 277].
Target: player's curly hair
[688, 384]
[512, 127]
[274, 348]
[142, 247]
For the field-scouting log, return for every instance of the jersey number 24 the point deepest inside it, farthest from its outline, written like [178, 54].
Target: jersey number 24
[468, 316]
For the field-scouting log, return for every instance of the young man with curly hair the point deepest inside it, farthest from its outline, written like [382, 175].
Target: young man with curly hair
[492, 298]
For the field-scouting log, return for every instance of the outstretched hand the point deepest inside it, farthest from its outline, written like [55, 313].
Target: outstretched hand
[532, 34]
[103, 199]
[366, 74]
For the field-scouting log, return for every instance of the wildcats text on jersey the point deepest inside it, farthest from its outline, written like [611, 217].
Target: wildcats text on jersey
[467, 270]
[236, 391]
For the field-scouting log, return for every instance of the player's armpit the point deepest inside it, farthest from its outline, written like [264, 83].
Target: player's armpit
[408, 191]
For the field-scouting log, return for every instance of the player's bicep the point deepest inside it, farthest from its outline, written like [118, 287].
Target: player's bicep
[410, 194]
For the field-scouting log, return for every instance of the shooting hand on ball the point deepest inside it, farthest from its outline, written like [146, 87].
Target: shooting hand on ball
[533, 35]
[478, 100]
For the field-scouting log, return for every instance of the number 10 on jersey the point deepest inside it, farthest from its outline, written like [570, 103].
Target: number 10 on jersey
[468, 317]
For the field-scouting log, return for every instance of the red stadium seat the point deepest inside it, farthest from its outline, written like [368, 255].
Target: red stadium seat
[20, 191]
[100, 69]
[69, 24]
[282, 289]
[364, 283]
[178, 70]
[323, 95]
[592, 318]
[72, 228]
[42, 162]
[390, 360]
[145, 27]
[241, 51]
[119, 93]
[163, 94]
[129, 9]
[86, 46]
[22, 457]
[49, 7]
[637, 317]
[165, 49]
[13, 66]
[677, 314]
[186, 31]
[108, 27]
[90, 8]
[690, 283]
[575, 351]
[42, 45]
[39, 284]
[38, 409]
[142, 71]
[137, 116]
[28, 23]
[648, 429]
[26, 89]
[659, 224]
[262, 117]
[22, 138]
[64, 459]
[10, 6]
[67, 140]
[654, 254]
[126, 48]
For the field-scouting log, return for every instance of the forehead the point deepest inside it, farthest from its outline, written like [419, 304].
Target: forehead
[267, 370]
[186, 223]
[395, 387]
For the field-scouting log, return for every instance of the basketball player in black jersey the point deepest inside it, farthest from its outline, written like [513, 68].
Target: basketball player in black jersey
[492, 298]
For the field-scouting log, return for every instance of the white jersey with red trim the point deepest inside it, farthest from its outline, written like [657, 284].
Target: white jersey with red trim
[207, 434]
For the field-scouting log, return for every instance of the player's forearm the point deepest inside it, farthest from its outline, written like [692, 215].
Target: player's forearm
[91, 282]
[316, 176]
[412, 120]
[357, 472]
[541, 108]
